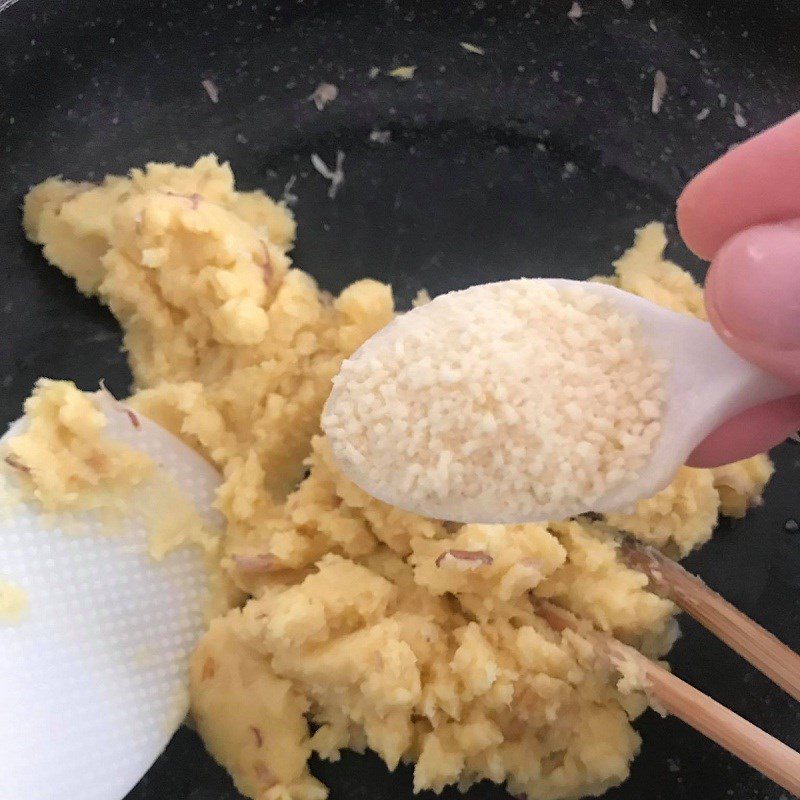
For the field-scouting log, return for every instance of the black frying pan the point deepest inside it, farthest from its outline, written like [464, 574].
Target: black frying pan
[473, 187]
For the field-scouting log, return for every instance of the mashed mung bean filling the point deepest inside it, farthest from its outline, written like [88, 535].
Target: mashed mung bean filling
[351, 623]
[522, 396]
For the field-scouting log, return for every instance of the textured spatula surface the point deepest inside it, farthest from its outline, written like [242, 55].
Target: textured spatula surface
[95, 673]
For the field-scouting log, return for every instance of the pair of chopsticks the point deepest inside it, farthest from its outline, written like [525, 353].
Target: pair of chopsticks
[668, 692]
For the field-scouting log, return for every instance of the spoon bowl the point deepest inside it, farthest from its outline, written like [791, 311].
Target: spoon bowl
[705, 384]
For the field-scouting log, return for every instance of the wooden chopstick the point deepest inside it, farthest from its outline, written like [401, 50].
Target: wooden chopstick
[734, 733]
[723, 726]
[758, 646]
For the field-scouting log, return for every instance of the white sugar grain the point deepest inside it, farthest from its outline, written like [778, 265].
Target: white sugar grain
[517, 396]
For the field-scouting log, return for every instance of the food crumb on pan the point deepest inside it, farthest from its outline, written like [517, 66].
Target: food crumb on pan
[335, 176]
[659, 91]
[288, 197]
[422, 298]
[211, 89]
[402, 73]
[575, 11]
[380, 137]
[324, 95]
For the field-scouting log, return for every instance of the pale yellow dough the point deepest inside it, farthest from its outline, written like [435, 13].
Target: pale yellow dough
[13, 603]
[64, 456]
[362, 619]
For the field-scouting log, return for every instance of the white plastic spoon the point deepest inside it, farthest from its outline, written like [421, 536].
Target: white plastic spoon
[94, 677]
[706, 384]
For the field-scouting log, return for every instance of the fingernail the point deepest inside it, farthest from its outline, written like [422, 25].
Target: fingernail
[753, 296]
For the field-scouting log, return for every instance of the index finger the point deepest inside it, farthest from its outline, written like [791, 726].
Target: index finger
[757, 182]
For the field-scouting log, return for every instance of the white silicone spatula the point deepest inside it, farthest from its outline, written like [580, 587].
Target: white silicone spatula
[706, 384]
[93, 678]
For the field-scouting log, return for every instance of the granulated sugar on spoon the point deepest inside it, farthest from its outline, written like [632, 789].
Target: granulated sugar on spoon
[533, 399]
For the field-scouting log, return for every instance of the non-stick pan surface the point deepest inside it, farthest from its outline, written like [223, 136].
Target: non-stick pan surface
[538, 158]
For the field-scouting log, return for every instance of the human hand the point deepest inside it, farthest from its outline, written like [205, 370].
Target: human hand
[743, 214]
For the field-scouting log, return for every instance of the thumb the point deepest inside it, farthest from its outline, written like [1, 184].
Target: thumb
[753, 301]
[753, 297]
